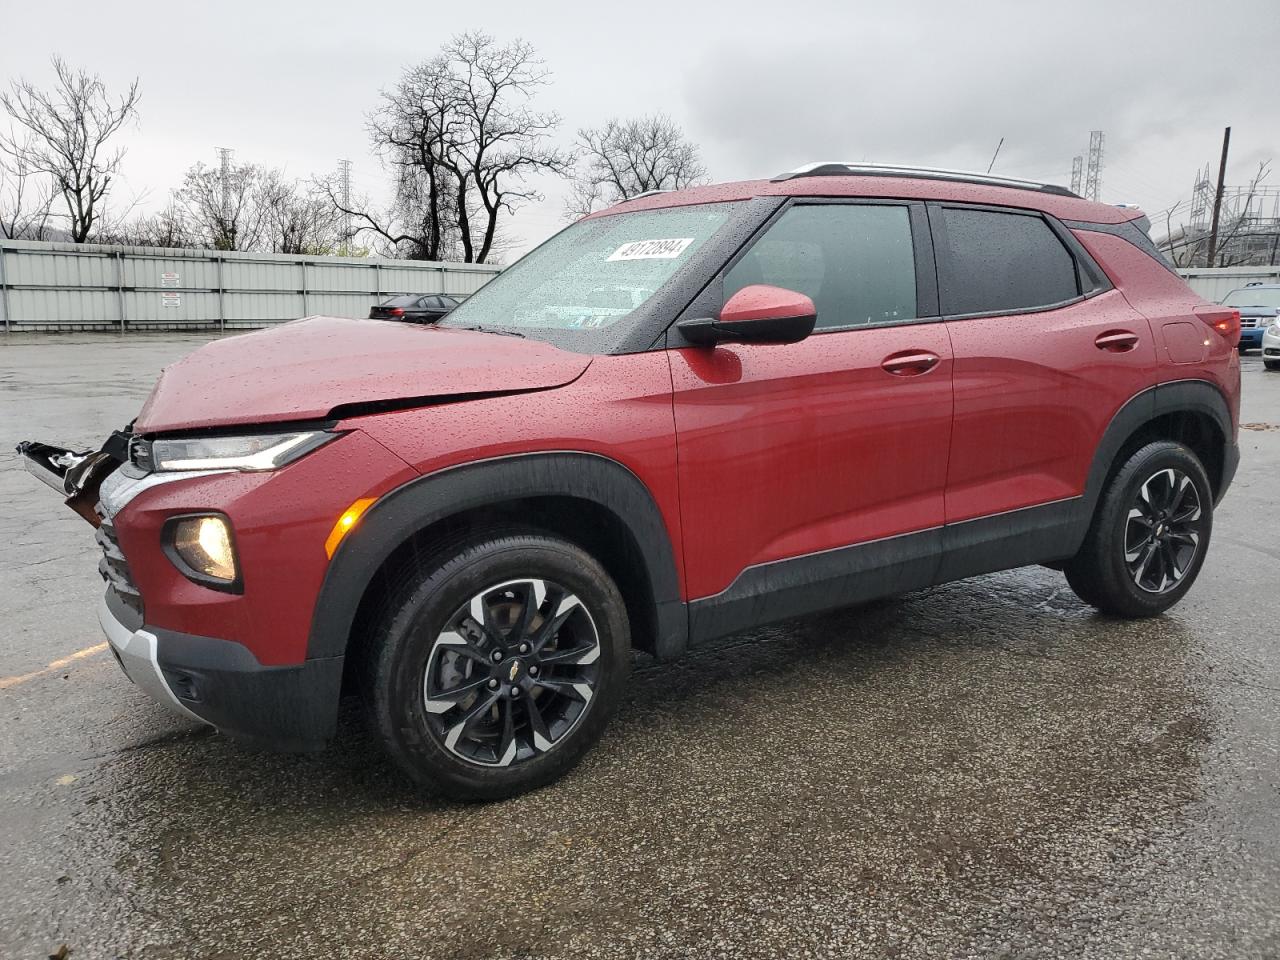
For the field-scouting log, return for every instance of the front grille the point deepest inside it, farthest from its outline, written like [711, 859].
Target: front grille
[1248, 322]
[115, 569]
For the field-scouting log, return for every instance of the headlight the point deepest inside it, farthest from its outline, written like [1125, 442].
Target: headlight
[267, 451]
[203, 549]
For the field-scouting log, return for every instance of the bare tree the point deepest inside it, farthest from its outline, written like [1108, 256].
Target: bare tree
[222, 212]
[167, 228]
[461, 140]
[626, 158]
[504, 140]
[66, 132]
[296, 219]
[26, 203]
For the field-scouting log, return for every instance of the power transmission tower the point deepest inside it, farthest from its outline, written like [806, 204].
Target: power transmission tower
[1201, 198]
[224, 181]
[1092, 177]
[1077, 171]
[344, 188]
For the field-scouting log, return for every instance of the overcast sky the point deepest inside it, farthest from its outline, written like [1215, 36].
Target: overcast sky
[761, 88]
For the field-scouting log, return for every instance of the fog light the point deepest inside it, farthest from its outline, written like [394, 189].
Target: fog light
[204, 545]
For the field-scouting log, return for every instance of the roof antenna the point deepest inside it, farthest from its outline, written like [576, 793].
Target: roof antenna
[994, 155]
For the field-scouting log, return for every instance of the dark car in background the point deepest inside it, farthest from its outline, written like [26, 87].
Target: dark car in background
[414, 308]
[1258, 303]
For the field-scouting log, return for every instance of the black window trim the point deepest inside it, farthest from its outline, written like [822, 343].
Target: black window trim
[1086, 285]
[711, 298]
[1142, 241]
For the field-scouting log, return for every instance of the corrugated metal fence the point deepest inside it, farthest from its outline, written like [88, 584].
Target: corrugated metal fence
[1217, 283]
[68, 286]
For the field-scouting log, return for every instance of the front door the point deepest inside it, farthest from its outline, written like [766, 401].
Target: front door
[789, 452]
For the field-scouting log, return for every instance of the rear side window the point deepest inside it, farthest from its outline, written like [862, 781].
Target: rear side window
[855, 262]
[998, 262]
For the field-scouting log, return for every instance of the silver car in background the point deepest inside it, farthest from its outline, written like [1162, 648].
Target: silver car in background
[1271, 345]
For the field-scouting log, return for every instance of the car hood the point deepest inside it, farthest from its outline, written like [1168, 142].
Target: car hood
[1258, 311]
[327, 367]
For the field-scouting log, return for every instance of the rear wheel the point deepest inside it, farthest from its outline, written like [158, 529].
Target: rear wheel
[498, 667]
[1149, 534]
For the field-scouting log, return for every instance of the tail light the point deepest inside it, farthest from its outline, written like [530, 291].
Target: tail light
[1223, 319]
[399, 312]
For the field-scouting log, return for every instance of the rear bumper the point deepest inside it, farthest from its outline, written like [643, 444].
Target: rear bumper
[219, 682]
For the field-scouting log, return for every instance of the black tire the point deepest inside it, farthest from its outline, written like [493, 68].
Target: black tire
[1271, 364]
[1102, 576]
[424, 610]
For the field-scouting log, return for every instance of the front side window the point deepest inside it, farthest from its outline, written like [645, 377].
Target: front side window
[591, 276]
[855, 262]
[999, 262]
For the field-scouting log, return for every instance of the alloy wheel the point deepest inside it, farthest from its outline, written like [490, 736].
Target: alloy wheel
[513, 671]
[1163, 531]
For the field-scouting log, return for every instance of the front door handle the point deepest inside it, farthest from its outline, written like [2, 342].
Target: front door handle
[1116, 341]
[910, 363]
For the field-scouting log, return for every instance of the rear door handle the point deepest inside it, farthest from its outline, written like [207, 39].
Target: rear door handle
[910, 363]
[1116, 341]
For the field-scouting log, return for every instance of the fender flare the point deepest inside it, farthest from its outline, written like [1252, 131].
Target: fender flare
[1179, 396]
[425, 500]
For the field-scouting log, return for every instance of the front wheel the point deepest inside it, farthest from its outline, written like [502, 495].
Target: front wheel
[498, 667]
[1149, 534]
[1271, 364]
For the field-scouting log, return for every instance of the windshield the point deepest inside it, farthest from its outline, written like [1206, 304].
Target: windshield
[1253, 297]
[592, 275]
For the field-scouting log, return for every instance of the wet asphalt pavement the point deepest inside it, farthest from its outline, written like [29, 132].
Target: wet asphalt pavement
[985, 769]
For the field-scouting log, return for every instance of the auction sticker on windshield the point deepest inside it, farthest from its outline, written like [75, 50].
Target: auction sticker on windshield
[651, 249]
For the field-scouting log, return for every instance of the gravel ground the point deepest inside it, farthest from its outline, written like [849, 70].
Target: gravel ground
[984, 769]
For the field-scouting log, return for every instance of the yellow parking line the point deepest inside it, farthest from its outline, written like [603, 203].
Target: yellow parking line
[6, 682]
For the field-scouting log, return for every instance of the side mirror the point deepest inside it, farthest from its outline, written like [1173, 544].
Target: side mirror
[756, 314]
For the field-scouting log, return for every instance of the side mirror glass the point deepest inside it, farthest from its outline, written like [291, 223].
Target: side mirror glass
[759, 313]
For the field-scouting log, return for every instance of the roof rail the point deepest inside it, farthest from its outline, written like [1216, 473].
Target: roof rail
[841, 169]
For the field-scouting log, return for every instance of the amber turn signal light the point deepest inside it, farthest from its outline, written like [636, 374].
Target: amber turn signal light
[349, 518]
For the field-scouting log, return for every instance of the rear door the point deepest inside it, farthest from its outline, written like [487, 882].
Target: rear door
[789, 450]
[1045, 353]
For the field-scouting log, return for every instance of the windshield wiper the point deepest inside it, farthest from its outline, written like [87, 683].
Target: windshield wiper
[501, 331]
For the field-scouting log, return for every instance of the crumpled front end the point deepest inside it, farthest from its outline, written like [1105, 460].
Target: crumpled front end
[231, 655]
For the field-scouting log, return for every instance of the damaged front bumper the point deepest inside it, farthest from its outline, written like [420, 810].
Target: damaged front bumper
[212, 679]
[77, 475]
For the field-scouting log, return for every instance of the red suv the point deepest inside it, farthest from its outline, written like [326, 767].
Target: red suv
[688, 415]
